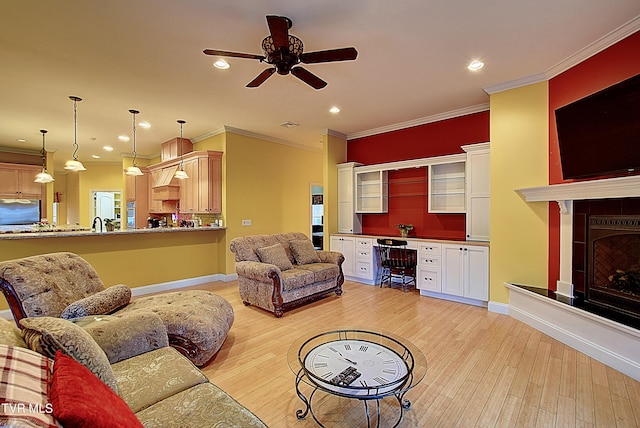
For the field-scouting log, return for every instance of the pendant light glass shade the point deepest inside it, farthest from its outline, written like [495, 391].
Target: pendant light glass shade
[75, 164]
[44, 176]
[180, 174]
[134, 170]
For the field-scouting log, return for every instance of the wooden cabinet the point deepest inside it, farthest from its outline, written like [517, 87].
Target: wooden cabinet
[202, 191]
[346, 246]
[372, 191]
[478, 191]
[156, 204]
[173, 148]
[366, 260]
[465, 271]
[348, 220]
[16, 181]
[446, 192]
[137, 191]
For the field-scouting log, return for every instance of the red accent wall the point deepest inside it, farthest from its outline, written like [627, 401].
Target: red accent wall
[617, 63]
[408, 188]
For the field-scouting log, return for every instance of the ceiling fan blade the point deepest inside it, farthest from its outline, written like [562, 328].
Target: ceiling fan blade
[261, 78]
[233, 54]
[279, 28]
[343, 54]
[308, 77]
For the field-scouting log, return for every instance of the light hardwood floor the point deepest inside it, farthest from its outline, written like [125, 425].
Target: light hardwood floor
[484, 369]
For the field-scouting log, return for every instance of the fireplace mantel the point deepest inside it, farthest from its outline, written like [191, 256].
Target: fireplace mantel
[619, 187]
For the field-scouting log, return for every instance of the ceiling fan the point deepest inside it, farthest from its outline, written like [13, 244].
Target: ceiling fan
[285, 51]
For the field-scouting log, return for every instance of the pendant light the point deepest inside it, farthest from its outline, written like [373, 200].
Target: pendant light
[180, 174]
[75, 164]
[134, 170]
[44, 176]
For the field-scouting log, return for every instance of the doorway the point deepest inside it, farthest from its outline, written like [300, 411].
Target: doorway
[317, 216]
[107, 204]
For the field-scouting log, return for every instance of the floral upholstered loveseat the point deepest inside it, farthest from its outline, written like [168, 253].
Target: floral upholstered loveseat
[106, 371]
[282, 271]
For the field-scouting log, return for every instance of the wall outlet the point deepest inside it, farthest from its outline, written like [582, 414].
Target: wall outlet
[246, 222]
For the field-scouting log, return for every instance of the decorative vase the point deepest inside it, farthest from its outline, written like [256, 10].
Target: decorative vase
[404, 233]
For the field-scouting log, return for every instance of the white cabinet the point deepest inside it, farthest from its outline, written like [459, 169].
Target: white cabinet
[348, 220]
[346, 246]
[465, 271]
[372, 191]
[429, 266]
[447, 187]
[478, 192]
[365, 256]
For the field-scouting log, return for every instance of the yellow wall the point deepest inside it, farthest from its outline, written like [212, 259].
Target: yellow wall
[97, 177]
[519, 153]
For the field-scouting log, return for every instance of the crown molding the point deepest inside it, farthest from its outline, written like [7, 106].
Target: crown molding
[420, 121]
[337, 134]
[594, 48]
[255, 135]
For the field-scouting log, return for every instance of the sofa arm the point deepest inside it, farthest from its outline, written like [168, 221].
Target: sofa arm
[334, 257]
[263, 272]
[125, 336]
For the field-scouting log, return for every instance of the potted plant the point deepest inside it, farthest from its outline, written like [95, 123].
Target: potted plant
[109, 224]
[404, 229]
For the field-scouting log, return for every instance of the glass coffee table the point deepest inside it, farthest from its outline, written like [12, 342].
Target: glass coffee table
[356, 363]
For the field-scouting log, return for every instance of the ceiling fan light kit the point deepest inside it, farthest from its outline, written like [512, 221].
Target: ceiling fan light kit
[285, 51]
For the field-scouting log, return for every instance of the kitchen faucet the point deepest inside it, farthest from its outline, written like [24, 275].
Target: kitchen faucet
[93, 226]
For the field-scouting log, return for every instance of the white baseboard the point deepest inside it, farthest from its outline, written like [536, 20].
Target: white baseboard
[453, 298]
[609, 342]
[499, 308]
[164, 286]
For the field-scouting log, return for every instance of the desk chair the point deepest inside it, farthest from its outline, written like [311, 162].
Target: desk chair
[396, 260]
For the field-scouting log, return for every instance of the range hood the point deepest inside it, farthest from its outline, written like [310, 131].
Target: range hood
[166, 188]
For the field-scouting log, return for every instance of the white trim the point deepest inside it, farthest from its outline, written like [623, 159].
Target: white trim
[609, 342]
[412, 163]
[516, 83]
[420, 121]
[619, 187]
[499, 308]
[452, 298]
[181, 283]
[238, 131]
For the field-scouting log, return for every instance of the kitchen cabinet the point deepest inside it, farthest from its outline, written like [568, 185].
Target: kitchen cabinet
[348, 220]
[156, 204]
[173, 148]
[465, 271]
[16, 181]
[202, 191]
[366, 260]
[346, 246]
[446, 193]
[478, 191]
[137, 192]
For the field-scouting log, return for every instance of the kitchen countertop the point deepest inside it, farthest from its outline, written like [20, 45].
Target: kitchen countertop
[79, 231]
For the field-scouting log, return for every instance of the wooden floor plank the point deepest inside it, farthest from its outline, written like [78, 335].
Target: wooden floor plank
[485, 369]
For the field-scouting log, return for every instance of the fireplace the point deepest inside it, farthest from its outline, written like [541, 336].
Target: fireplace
[606, 257]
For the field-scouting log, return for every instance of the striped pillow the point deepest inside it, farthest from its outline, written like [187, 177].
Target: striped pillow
[24, 383]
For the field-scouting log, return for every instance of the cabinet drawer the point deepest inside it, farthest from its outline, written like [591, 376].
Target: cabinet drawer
[430, 248]
[426, 260]
[429, 280]
[363, 243]
[364, 270]
[362, 253]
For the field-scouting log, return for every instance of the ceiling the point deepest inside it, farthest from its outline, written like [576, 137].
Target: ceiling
[147, 55]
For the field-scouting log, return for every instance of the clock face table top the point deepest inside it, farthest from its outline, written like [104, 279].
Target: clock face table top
[357, 363]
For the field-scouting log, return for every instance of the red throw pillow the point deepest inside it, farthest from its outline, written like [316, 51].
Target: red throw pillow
[80, 399]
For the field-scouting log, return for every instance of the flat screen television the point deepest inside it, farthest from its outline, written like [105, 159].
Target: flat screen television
[600, 134]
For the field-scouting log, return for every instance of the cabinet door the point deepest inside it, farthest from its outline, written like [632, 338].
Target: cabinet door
[8, 182]
[346, 246]
[210, 184]
[189, 187]
[453, 269]
[27, 187]
[429, 279]
[477, 273]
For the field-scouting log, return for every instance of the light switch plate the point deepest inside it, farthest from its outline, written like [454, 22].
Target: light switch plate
[246, 222]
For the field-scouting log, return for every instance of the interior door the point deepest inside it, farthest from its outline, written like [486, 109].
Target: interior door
[105, 205]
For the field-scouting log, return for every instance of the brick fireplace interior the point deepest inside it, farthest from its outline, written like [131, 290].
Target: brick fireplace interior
[606, 257]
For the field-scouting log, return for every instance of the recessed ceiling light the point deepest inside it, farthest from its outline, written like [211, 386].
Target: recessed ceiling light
[107, 148]
[475, 65]
[123, 138]
[334, 110]
[221, 64]
[95, 156]
[145, 124]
